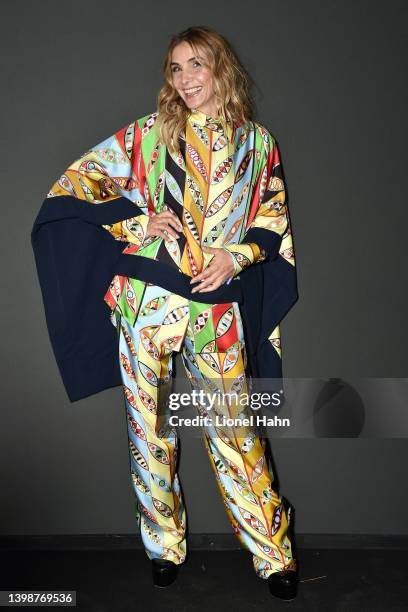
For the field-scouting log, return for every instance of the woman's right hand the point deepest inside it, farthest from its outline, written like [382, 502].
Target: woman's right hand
[164, 224]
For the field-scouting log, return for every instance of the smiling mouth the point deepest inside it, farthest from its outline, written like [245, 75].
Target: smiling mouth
[190, 93]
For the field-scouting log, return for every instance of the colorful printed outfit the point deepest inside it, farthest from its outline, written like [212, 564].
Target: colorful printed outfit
[237, 456]
[226, 187]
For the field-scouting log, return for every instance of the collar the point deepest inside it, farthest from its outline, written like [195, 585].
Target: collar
[199, 118]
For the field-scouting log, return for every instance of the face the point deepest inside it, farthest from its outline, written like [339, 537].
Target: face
[192, 79]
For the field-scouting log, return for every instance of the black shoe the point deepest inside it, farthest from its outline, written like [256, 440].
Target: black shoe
[164, 572]
[284, 584]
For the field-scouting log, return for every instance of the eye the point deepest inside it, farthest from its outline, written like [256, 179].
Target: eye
[174, 68]
[196, 63]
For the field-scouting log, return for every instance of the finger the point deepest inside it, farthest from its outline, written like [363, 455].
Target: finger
[165, 214]
[205, 284]
[202, 276]
[170, 231]
[173, 212]
[171, 217]
[165, 227]
[161, 234]
[155, 229]
[211, 268]
[214, 285]
[176, 224]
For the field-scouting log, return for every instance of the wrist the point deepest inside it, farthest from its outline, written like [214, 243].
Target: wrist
[236, 267]
[245, 254]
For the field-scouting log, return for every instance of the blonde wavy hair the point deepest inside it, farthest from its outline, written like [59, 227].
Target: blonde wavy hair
[232, 85]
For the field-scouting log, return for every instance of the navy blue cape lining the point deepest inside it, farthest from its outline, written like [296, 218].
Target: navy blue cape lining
[76, 260]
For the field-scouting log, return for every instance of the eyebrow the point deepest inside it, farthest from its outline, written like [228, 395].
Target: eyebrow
[189, 60]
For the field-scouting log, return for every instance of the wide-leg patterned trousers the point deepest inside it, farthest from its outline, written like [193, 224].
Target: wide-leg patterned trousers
[211, 340]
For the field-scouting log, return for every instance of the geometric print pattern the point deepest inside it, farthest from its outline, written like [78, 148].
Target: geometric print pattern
[211, 341]
[223, 181]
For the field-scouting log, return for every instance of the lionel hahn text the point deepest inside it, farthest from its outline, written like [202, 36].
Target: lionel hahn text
[217, 420]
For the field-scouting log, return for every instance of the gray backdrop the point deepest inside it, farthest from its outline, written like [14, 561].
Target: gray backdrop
[331, 88]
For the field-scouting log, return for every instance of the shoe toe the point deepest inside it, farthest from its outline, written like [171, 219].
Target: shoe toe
[164, 572]
[283, 584]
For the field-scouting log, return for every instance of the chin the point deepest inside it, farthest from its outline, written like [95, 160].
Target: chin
[194, 103]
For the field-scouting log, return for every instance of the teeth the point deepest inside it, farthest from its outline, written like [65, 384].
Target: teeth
[190, 91]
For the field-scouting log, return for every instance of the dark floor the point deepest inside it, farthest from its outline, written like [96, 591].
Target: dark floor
[120, 580]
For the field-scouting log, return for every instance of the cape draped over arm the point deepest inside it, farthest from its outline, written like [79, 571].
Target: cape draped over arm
[94, 209]
[274, 282]
[99, 206]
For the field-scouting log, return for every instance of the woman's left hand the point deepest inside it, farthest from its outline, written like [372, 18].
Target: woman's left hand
[220, 269]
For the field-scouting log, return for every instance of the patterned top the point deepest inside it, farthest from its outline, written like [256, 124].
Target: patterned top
[223, 181]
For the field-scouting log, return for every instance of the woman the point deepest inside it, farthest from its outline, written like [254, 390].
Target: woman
[205, 187]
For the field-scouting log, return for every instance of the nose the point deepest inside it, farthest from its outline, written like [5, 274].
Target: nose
[186, 77]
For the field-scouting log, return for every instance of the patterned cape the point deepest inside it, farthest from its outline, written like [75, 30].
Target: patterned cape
[115, 186]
